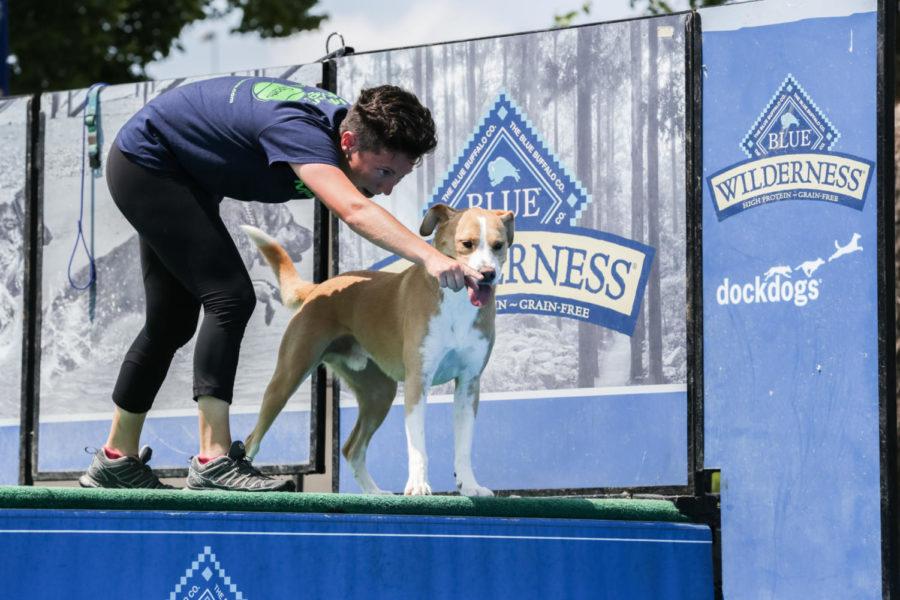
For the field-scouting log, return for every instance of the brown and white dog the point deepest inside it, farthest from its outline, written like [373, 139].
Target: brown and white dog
[377, 328]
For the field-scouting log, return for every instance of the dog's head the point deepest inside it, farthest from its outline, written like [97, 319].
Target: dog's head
[475, 237]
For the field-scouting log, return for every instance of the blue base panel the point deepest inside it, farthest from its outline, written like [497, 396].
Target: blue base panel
[234, 556]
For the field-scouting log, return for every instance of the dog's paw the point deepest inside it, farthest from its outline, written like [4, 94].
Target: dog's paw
[417, 488]
[473, 489]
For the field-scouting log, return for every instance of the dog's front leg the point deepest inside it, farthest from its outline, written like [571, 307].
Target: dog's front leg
[465, 407]
[414, 403]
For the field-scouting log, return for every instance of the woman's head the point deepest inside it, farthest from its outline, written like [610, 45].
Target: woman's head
[384, 135]
[390, 118]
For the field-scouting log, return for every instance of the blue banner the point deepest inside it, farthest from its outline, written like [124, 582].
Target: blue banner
[790, 296]
[232, 556]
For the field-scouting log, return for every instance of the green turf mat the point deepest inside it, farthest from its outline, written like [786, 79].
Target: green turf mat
[185, 500]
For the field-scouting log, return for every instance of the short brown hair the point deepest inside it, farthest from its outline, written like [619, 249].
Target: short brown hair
[389, 117]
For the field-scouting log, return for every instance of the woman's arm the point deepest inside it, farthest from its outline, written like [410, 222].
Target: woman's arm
[366, 218]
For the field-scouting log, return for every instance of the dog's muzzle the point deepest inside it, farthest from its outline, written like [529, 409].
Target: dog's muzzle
[481, 294]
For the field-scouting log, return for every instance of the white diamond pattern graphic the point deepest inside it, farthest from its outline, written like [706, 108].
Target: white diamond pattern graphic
[211, 568]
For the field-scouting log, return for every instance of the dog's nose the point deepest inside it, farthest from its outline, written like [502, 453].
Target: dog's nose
[488, 275]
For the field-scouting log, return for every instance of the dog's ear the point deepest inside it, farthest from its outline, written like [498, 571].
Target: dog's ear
[439, 213]
[508, 219]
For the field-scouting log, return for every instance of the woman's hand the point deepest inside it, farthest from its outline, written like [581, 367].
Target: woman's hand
[451, 273]
[331, 186]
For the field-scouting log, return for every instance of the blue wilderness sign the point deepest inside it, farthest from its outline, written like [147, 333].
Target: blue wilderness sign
[790, 158]
[555, 268]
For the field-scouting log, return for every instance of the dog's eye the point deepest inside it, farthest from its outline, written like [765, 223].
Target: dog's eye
[497, 246]
[467, 244]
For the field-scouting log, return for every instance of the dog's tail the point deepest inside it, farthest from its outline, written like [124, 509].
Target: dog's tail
[293, 289]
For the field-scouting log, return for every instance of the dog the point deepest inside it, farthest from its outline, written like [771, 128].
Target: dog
[375, 329]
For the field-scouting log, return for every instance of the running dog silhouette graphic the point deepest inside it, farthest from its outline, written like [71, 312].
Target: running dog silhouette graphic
[784, 270]
[852, 246]
[809, 267]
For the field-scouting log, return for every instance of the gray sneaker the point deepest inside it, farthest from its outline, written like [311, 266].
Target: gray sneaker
[233, 472]
[125, 472]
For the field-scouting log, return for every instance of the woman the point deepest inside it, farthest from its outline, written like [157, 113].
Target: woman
[257, 139]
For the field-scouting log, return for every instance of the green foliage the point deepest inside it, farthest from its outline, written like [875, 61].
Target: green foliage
[660, 7]
[275, 18]
[567, 19]
[65, 45]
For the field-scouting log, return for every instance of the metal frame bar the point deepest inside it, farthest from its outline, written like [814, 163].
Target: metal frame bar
[887, 360]
[694, 265]
[31, 346]
[329, 82]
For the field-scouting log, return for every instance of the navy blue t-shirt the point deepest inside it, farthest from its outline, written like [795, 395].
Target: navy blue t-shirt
[236, 135]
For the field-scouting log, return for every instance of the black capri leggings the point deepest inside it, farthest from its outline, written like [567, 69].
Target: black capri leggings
[188, 260]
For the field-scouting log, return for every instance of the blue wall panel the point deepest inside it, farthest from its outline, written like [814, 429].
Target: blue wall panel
[173, 439]
[202, 556]
[790, 296]
[619, 440]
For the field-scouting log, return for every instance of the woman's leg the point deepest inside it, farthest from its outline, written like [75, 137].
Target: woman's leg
[189, 260]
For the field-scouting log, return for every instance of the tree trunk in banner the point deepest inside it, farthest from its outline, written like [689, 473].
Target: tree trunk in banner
[419, 86]
[609, 213]
[654, 325]
[447, 132]
[587, 332]
[675, 119]
[637, 187]
[609, 171]
[673, 155]
[470, 84]
[524, 72]
[556, 100]
[504, 44]
[429, 102]
[552, 82]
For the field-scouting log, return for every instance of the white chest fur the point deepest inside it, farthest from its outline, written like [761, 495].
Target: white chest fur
[453, 345]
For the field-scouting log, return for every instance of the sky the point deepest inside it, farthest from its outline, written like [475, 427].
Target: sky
[371, 25]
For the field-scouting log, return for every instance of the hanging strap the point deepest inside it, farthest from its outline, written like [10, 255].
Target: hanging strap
[92, 124]
[91, 149]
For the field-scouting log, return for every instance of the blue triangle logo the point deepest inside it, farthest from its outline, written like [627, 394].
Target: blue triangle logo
[506, 165]
[791, 122]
